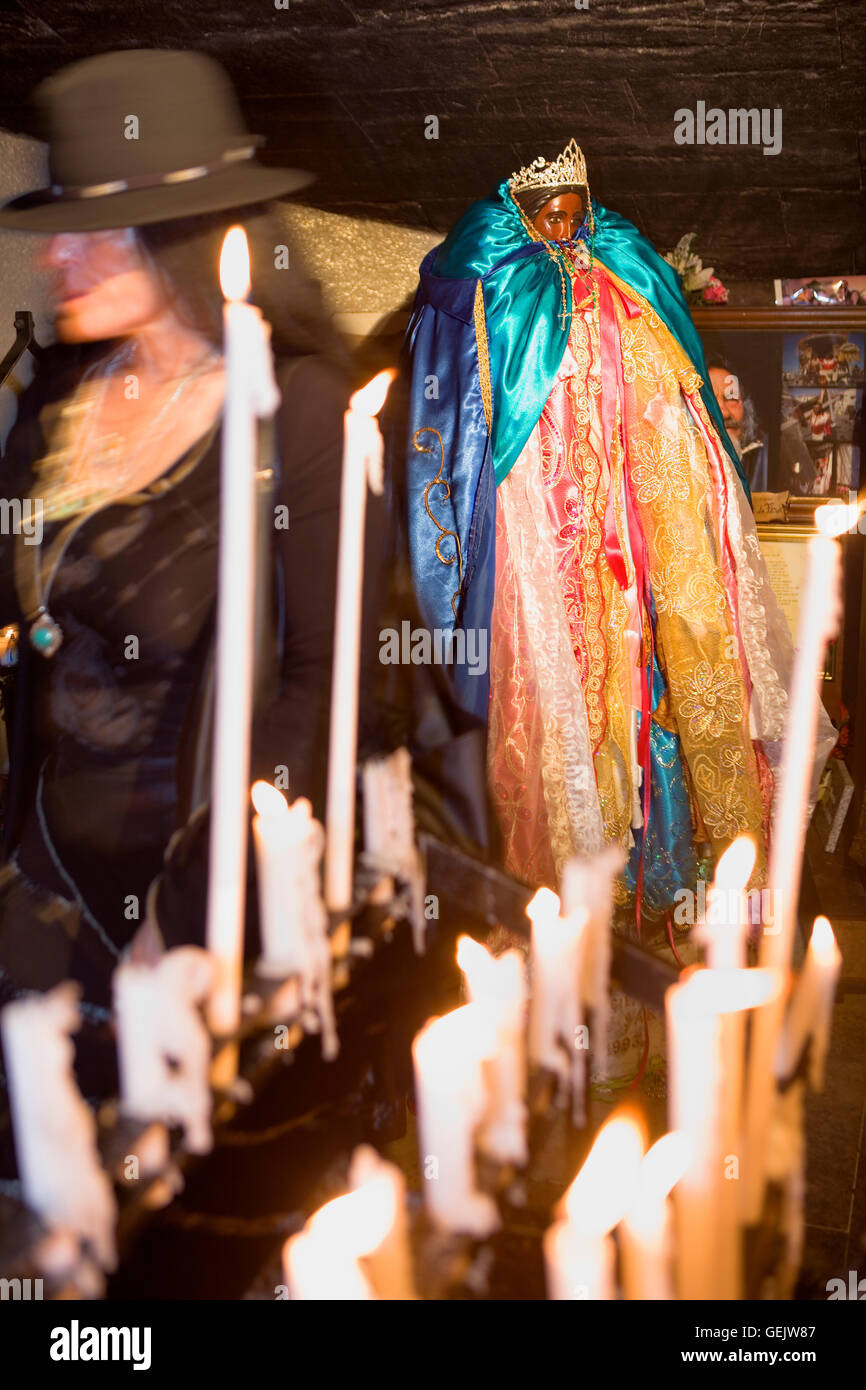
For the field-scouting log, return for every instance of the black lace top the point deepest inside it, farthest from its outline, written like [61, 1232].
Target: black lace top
[97, 731]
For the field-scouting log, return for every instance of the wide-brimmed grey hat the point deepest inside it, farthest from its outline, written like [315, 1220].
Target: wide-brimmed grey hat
[144, 135]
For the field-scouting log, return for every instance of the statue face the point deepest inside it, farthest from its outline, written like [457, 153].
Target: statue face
[560, 219]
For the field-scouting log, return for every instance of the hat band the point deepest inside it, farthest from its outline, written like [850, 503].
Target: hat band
[196, 171]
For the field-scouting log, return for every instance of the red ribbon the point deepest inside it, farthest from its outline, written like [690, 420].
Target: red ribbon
[613, 388]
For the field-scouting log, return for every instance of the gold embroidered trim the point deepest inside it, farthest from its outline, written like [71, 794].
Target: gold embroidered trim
[483, 354]
[445, 559]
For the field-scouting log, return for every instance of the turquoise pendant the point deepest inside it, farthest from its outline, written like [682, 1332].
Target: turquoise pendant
[45, 635]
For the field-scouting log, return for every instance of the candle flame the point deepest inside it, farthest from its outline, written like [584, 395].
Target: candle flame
[736, 864]
[543, 906]
[823, 939]
[471, 955]
[359, 1221]
[448, 1045]
[267, 800]
[728, 990]
[235, 264]
[370, 398]
[664, 1165]
[660, 1171]
[834, 518]
[495, 982]
[603, 1189]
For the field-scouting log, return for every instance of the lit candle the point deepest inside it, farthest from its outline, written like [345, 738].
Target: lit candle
[646, 1232]
[250, 394]
[322, 1262]
[587, 884]
[810, 1012]
[579, 1252]
[451, 1101]
[497, 985]
[696, 1097]
[53, 1128]
[389, 1264]
[555, 1014]
[362, 464]
[163, 1047]
[726, 927]
[819, 622]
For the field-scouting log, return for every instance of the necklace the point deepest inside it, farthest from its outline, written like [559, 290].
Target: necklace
[81, 471]
[559, 254]
[65, 495]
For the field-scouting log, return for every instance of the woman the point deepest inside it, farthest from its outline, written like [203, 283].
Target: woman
[118, 442]
[570, 491]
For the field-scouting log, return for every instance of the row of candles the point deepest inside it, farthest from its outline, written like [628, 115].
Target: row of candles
[675, 1215]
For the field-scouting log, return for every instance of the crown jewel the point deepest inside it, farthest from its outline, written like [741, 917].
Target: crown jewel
[568, 167]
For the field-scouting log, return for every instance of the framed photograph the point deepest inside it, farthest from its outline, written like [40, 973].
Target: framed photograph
[790, 383]
[784, 548]
[826, 289]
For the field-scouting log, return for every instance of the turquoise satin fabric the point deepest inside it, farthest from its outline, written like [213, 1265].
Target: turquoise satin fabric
[523, 304]
[669, 856]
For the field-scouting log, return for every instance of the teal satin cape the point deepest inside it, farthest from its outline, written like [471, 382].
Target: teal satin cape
[523, 306]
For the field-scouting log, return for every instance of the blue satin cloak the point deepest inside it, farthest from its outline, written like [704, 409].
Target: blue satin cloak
[450, 486]
[669, 856]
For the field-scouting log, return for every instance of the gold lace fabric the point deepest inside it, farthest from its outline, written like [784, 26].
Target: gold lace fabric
[683, 522]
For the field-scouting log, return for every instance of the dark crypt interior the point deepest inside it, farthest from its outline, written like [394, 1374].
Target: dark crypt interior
[406, 114]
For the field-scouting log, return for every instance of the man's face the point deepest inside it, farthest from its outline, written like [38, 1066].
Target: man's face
[726, 389]
[560, 219]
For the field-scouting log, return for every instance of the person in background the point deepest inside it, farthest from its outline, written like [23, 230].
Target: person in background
[118, 439]
[741, 422]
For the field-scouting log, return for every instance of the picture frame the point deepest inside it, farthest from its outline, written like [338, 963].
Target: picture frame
[784, 547]
[791, 381]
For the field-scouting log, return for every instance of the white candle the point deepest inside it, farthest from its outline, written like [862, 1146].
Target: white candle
[646, 1232]
[451, 1102]
[389, 830]
[163, 1047]
[497, 985]
[389, 1265]
[289, 843]
[819, 621]
[810, 1011]
[251, 393]
[323, 1261]
[293, 917]
[53, 1128]
[588, 884]
[555, 1014]
[362, 463]
[696, 1096]
[725, 930]
[579, 1252]
[724, 934]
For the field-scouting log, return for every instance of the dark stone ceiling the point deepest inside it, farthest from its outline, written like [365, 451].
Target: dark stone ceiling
[343, 87]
